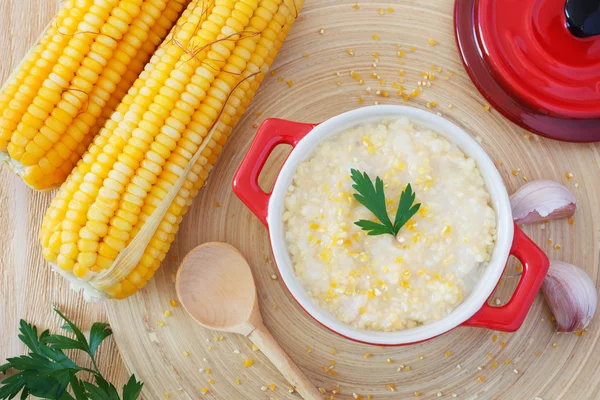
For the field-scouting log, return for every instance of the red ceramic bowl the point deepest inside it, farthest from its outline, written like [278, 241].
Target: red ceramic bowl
[474, 310]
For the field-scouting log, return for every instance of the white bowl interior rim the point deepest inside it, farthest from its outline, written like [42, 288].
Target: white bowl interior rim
[494, 185]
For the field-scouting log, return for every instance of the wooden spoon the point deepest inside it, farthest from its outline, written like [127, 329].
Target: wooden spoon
[216, 287]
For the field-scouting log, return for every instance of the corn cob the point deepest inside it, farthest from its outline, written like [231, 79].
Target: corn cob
[142, 171]
[59, 97]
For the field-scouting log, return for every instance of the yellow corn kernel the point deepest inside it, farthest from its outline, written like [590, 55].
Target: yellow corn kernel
[325, 255]
[519, 268]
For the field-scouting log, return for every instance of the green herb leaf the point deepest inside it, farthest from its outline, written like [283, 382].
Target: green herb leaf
[373, 228]
[107, 387]
[47, 372]
[11, 386]
[32, 362]
[372, 196]
[59, 358]
[48, 384]
[77, 387]
[406, 209]
[65, 343]
[78, 334]
[42, 364]
[24, 393]
[132, 389]
[102, 390]
[94, 392]
[29, 336]
[4, 368]
[98, 333]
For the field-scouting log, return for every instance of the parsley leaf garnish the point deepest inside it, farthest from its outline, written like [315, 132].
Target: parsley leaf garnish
[47, 372]
[372, 196]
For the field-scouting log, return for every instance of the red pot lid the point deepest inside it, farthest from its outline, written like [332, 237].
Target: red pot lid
[528, 58]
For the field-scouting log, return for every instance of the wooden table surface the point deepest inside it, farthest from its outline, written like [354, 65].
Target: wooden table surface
[28, 287]
[564, 371]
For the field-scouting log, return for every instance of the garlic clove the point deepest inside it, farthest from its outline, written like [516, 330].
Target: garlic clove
[571, 295]
[542, 200]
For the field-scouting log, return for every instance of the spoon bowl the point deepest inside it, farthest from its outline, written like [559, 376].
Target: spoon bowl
[216, 287]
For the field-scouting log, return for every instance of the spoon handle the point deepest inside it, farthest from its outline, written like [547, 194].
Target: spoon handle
[262, 338]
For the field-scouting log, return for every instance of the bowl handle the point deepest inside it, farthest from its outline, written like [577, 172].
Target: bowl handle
[510, 316]
[271, 133]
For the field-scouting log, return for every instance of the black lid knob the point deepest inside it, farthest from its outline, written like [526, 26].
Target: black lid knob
[583, 17]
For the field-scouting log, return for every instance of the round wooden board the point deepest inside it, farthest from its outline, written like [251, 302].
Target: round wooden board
[542, 363]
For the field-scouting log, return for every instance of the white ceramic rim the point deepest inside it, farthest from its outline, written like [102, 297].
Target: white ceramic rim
[494, 184]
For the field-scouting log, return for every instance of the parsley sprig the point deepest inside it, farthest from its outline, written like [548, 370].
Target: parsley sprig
[372, 196]
[47, 372]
